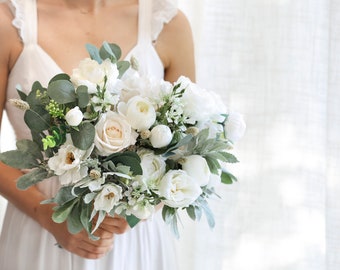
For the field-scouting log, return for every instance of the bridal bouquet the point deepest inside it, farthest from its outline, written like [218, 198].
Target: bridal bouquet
[121, 143]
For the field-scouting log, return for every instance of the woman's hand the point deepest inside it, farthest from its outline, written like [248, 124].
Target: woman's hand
[80, 244]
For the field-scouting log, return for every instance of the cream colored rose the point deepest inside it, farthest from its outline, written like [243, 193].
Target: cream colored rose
[113, 134]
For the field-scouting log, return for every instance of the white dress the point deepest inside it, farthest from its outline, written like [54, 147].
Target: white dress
[24, 245]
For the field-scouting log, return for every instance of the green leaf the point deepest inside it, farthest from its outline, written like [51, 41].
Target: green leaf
[106, 52]
[31, 178]
[19, 159]
[84, 137]
[132, 220]
[182, 142]
[191, 212]
[21, 94]
[122, 66]
[230, 158]
[64, 195]
[83, 96]
[94, 53]
[128, 158]
[37, 119]
[213, 164]
[60, 76]
[227, 178]
[74, 224]
[62, 91]
[30, 147]
[85, 215]
[62, 212]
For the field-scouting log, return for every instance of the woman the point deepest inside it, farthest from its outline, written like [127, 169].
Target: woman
[40, 38]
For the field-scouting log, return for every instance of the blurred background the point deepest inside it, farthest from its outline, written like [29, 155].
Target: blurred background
[277, 62]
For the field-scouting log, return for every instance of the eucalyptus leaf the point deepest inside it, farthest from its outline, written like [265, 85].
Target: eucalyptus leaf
[94, 53]
[122, 66]
[31, 178]
[128, 158]
[106, 52]
[19, 159]
[37, 119]
[60, 76]
[83, 96]
[84, 137]
[62, 91]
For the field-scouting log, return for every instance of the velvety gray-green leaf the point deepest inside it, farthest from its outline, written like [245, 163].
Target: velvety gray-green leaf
[132, 220]
[31, 178]
[30, 147]
[62, 212]
[18, 159]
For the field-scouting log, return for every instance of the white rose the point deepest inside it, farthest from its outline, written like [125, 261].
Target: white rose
[153, 167]
[179, 189]
[74, 116]
[139, 113]
[113, 134]
[108, 197]
[197, 167]
[67, 163]
[90, 73]
[235, 127]
[160, 136]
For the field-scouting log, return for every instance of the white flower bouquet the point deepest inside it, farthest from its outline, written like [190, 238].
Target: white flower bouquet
[121, 144]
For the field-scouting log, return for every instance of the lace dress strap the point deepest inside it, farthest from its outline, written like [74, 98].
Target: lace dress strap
[25, 19]
[153, 14]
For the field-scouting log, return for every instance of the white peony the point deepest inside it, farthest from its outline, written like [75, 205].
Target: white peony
[197, 167]
[142, 209]
[235, 127]
[153, 167]
[74, 116]
[90, 73]
[113, 134]
[179, 189]
[67, 163]
[140, 113]
[108, 197]
[198, 103]
[160, 136]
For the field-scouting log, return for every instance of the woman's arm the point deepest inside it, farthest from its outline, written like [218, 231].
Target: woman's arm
[28, 201]
[176, 49]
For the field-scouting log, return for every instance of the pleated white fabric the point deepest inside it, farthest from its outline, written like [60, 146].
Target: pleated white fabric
[278, 63]
[24, 245]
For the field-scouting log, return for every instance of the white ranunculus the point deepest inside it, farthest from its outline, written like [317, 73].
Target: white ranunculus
[179, 189]
[67, 163]
[235, 127]
[160, 136]
[108, 197]
[197, 167]
[153, 167]
[74, 116]
[139, 113]
[90, 73]
[113, 134]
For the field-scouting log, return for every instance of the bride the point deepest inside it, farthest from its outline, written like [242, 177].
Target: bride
[40, 38]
